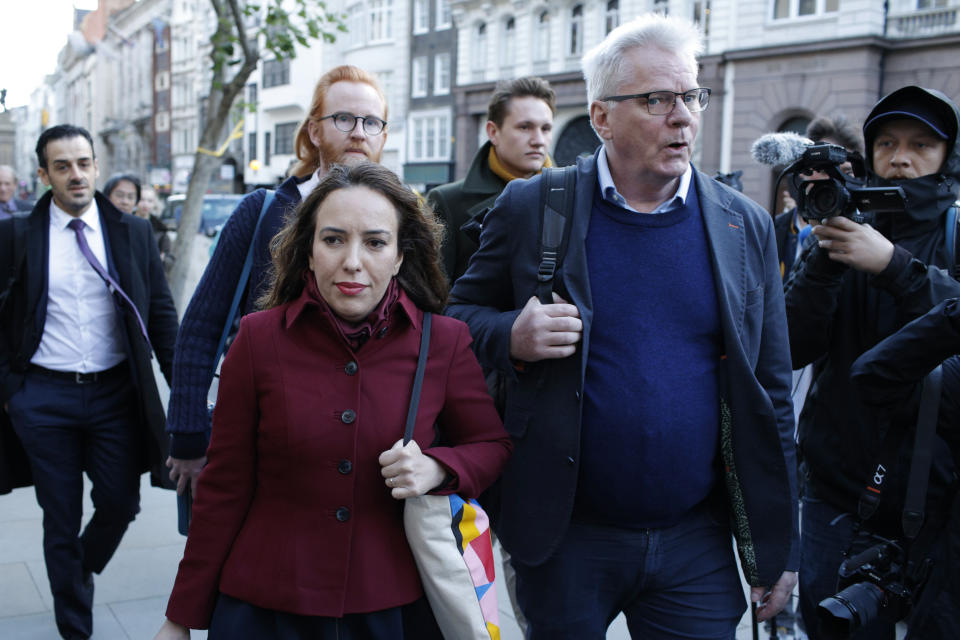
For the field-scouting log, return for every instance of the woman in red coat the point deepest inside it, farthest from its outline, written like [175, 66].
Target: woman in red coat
[297, 525]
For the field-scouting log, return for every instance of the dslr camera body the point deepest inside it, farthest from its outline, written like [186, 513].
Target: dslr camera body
[839, 194]
[880, 582]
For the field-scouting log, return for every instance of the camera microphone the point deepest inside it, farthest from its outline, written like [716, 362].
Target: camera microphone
[779, 149]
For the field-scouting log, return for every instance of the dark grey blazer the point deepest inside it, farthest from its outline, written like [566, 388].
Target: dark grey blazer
[544, 401]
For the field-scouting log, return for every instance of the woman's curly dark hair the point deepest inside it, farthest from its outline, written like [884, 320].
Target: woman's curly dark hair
[419, 237]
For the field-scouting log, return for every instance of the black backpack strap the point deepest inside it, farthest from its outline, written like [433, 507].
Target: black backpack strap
[952, 236]
[556, 208]
[913, 506]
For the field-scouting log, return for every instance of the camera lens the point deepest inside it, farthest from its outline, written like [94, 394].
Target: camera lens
[826, 198]
[849, 610]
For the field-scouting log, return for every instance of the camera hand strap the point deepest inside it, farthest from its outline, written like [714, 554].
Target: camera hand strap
[913, 509]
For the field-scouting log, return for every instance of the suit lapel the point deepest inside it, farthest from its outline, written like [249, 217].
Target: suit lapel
[38, 257]
[116, 238]
[573, 270]
[727, 241]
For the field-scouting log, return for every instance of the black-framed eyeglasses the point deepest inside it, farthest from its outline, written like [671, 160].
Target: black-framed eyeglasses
[661, 103]
[347, 122]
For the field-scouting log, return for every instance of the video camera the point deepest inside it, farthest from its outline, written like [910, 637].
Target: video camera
[876, 583]
[839, 194]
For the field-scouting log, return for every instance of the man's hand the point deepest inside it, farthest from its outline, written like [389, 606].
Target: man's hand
[184, 471]
[771, 601]
[857, 245]
[408, 471]
[543, 331]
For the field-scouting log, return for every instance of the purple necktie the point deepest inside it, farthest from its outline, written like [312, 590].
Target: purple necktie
[77, 225]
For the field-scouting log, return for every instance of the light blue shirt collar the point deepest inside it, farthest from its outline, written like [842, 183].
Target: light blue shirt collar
[610, 193]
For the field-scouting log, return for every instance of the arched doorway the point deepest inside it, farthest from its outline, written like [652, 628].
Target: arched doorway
[577, 139]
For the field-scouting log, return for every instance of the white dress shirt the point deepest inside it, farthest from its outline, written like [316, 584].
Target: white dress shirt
[608, 190]
[307, 187]
[81, 331]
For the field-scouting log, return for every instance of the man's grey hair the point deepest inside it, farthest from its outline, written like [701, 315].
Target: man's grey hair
[6, 167]
[604, 66]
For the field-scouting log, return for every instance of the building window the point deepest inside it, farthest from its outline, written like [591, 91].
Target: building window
[701, 15]
[276, 73]
[252, 146]
[508, 45]
[266, 148]
[784, 9]
[441, 74]
[161, 82]
[661, 6]
[612, 17]
[542, 37]
[480, 51]
[444, 19]
[576, 30]
[252, 93]
[284, 137]
[430, 141]
[421, 16]
[355, 22]
[418, 78]
[381, 20]
[926, 4]
[385, 80]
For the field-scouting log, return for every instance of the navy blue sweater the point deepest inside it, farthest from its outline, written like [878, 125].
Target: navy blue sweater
[651, 425]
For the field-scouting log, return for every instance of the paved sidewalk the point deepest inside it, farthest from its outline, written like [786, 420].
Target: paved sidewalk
[132, 592]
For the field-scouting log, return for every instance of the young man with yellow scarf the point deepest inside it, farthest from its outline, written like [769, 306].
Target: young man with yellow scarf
[520, 130]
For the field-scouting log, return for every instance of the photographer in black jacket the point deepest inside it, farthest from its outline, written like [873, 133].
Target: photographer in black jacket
[887, 378]
[859, 285]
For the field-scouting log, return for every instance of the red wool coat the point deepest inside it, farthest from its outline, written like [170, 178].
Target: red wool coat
[291, 512]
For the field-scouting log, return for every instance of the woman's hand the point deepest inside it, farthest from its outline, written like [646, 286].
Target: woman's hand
[172, 631]
[408, 472]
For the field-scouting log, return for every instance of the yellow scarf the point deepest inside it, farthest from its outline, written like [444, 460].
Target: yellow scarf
[501, 171]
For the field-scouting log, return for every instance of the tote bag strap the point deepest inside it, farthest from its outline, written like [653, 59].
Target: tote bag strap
[418, 378]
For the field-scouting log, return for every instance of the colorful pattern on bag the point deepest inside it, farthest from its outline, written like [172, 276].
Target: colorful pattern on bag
[471, 528]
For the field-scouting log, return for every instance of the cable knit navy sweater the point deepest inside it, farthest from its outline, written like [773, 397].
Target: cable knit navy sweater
[187, 419]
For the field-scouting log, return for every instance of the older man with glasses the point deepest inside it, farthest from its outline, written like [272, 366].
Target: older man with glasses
[344, 97]
[650, 402]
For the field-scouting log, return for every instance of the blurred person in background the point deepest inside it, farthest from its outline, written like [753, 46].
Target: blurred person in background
[123, 190]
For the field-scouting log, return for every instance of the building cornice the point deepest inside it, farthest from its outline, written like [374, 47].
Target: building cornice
[833, 45]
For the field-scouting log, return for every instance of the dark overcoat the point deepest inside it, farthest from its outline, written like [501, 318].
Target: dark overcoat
[459, 202]
[134, 261]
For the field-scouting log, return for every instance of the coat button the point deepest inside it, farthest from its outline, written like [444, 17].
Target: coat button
[345, 467]
[343, 514]
[348, 416]
[351, 368]
[570, 460]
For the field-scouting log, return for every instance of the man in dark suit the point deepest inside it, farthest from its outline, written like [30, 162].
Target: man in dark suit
[86, 304]
[519, 131]
[9, 204]
[649, 404]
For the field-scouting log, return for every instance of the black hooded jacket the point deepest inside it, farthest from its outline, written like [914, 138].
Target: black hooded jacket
[836, 313]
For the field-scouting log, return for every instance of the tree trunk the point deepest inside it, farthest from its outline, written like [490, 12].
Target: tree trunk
[204, 166]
